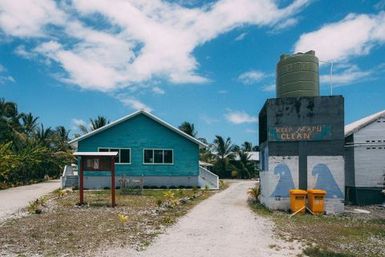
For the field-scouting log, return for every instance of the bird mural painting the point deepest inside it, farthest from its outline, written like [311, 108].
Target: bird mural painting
[326, 181]
[285, 182]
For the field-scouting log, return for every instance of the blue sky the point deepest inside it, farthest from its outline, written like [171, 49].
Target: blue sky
[207, 62]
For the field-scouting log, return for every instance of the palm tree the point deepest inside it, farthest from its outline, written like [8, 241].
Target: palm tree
[99, 122]
[205, 153]
[223, 150]
[43, 136]
[243, 166]
[10, 128]
[188, 128]
[29, 123]
[61, 137]
[247, 146]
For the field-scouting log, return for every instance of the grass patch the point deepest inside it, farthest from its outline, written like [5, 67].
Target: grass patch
[317, 252]
[345, 235]
[63, 228]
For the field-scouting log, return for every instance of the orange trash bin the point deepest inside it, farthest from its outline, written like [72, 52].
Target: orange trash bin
[297, 200]
[316, 200]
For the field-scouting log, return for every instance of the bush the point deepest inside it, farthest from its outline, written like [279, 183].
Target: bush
[254, 193]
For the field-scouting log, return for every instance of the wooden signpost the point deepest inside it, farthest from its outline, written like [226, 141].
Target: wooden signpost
[96, 162]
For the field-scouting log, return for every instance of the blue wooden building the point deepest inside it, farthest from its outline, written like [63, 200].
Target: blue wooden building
[150, 150]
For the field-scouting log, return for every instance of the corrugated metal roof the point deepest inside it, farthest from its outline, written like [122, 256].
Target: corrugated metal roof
[359, 124]
[127, 117]
[253, 156]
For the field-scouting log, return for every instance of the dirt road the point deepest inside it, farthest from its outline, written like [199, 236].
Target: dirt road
[222, 225]
[14, 199]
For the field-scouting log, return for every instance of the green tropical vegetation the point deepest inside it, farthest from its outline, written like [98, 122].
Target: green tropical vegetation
[99, 122]
[229, 160]
[29, 151]
[188, 128]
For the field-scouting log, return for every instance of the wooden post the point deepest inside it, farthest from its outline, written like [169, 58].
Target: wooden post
[81, 180]
[113, 181]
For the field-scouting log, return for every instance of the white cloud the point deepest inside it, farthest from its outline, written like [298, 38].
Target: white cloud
[239, 117]
[355, 35]
[348, 75]
[158, 91]
[79, 122]
[133, 103]
[269, 88]
[23, 52]
[251, 77]
[4, 77]
[142, 40]
[29, 18]
[208, 120]
[240, 37]
[251, 131]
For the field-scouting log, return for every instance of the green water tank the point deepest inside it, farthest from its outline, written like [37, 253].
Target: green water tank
[298, 75]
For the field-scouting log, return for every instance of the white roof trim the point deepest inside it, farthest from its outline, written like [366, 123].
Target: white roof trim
[201, 163]
[127, 117]
[359, 124]
[95, 153]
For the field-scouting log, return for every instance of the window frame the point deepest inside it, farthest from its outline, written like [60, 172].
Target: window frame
[119, 153]
[153, 156]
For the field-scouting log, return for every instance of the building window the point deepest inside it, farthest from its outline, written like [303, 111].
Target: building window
[158, 156]
[124, 154]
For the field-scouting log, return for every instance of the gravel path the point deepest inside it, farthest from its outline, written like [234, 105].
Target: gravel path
[13, 200]
[222, 225]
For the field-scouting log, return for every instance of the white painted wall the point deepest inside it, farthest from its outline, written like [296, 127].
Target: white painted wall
[369, 155]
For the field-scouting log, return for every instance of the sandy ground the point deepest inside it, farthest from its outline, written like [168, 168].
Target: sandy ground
[222, 225]
[13, 200]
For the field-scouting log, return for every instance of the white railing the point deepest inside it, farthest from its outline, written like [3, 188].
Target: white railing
[69, 176]
[68, 171]
[210, 179]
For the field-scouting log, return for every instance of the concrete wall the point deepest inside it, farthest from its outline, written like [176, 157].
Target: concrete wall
[309, 128]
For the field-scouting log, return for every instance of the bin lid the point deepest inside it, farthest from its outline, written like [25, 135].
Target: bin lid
[297, 192]
[316, 191]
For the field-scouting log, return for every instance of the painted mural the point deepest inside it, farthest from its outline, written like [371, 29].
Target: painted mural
[278, 180]
[285, 182]
[327, 173]
[281, 177]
